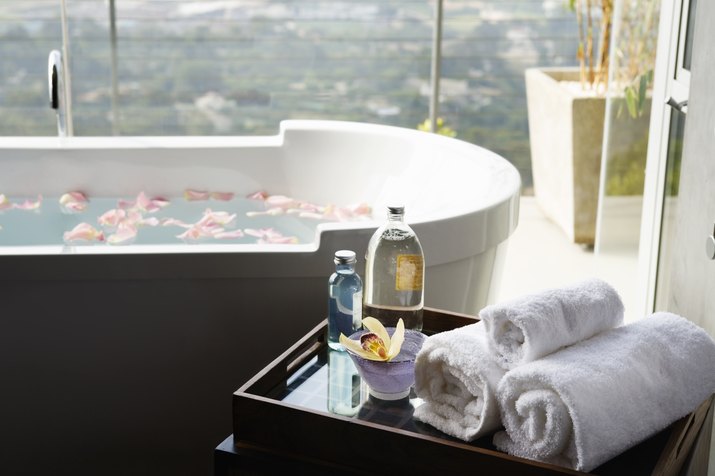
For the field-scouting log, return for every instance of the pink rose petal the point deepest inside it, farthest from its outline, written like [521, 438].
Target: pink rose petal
[174, 222]
[222, 196]
[126, 234]
[151, 221]
[281, 201]
[270, 212]
[73, 202]
[4, 202]
[29, 204]
[197, 232]
[270, 236]
[83, 232]
[112, 218]
[219, 218]
[260, 195]
[196, 195]
[229, 234]
[150, 205]
[125, 204]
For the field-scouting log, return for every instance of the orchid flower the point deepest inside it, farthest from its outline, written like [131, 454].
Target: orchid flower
[196, 195]
[83, 232]
[29, 204]
[4, 202]
[222, 196]
[376, 344]
[73, 202]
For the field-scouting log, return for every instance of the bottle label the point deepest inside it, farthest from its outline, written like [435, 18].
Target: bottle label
[357, 310]
[409, 273]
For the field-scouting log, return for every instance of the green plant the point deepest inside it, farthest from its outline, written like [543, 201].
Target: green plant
[634, 52]
[442, 129]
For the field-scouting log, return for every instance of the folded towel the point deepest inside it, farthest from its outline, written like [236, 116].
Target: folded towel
[585, 404]
[530, 327]
[457, 378]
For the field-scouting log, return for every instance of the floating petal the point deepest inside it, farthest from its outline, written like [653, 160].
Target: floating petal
[126, 234]
[281, 201]
[174, 222]
[83, 232]
[112, 218]
[270, 212]
[4, 202]
[29, 204]
[225, 235]
[196, 195]
[73, 202]
[260, 195]
[222, 196]
[150, 205]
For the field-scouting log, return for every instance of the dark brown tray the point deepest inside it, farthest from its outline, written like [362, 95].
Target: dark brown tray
[386, 434]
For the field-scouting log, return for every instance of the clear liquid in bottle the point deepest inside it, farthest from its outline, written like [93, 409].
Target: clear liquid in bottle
[345, 299]
[394, 274]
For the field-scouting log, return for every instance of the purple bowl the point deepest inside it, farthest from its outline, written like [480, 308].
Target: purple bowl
[390, 380]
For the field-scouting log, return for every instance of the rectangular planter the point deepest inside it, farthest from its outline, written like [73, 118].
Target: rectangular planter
[566, 135]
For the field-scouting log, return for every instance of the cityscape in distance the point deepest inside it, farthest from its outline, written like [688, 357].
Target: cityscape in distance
[239, 67]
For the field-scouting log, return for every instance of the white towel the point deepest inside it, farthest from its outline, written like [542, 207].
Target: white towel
[457, 378]
[532, 326]
[587, 403]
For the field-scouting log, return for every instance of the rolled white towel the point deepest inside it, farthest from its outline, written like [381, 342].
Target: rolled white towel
[532, 326]
[457, 377]
[585, 404]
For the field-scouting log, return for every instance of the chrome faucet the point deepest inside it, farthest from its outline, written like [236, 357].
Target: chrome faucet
[56, 83]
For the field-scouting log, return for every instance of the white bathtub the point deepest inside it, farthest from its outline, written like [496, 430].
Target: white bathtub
[137, 349]
[462, 200]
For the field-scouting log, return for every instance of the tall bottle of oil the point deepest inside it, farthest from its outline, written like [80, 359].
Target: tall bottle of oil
[394, 273]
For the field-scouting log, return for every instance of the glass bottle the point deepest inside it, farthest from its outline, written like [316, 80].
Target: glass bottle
[394, 273]
[345, 389]
[345, 299]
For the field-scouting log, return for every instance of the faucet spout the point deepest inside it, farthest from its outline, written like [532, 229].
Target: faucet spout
[56, 84]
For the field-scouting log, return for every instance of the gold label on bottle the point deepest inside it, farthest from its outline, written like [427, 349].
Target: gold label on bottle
[409, 273]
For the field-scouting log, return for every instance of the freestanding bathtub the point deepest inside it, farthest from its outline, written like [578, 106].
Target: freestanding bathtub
[123, 359]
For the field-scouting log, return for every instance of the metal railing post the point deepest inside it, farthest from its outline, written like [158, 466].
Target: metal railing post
[115, 83]
[436, 66]
[66, 70]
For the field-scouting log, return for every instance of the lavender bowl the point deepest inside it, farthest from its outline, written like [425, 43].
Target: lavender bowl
[390, 380]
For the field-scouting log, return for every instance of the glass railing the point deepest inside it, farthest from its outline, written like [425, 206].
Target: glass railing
[239, 67]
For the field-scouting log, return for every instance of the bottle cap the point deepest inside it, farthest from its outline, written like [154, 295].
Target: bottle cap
[345, 257]
[396, 209]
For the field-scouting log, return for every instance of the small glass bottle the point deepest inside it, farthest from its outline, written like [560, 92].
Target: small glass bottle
[345, 302]
[394, 273]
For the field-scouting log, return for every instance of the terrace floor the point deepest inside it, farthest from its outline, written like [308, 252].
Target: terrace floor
[540, 256]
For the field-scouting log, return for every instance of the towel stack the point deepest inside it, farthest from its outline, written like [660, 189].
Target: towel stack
[567, 384]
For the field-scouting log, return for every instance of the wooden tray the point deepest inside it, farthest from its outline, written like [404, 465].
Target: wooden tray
[386, 434]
